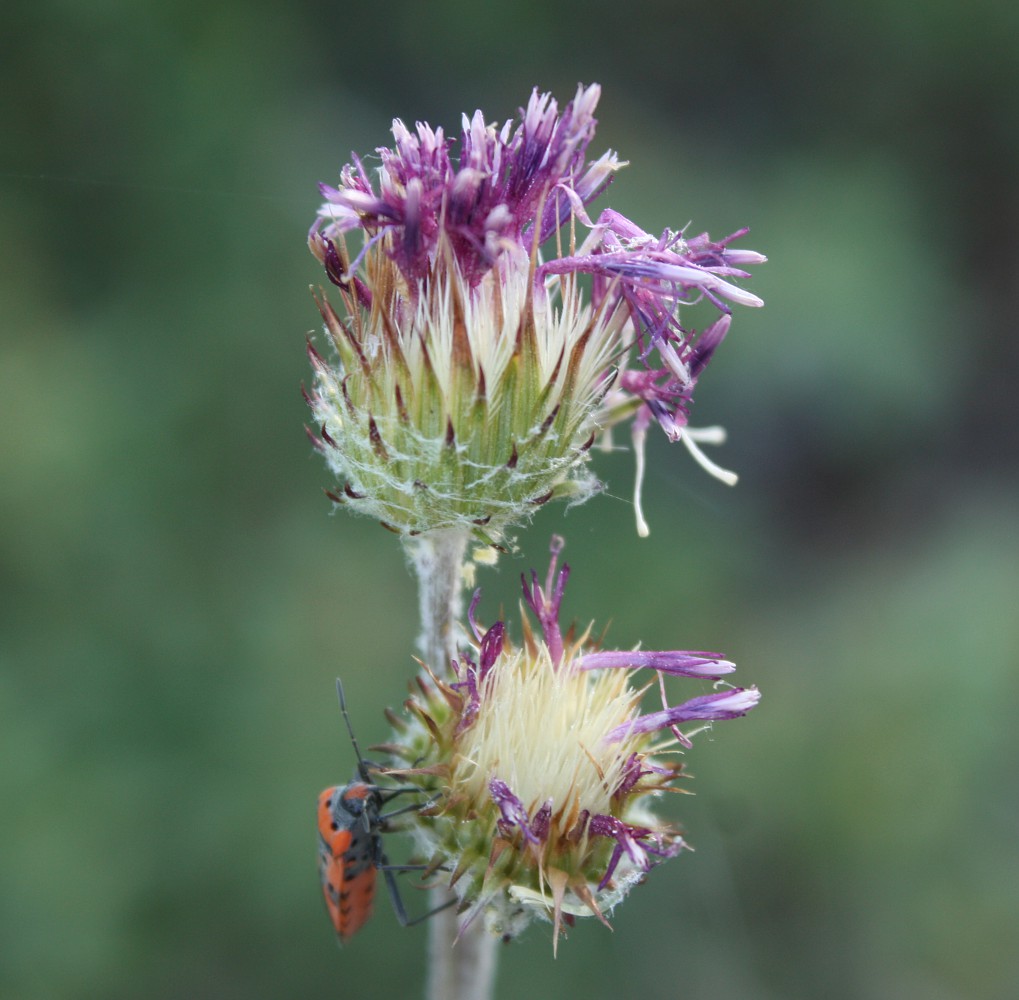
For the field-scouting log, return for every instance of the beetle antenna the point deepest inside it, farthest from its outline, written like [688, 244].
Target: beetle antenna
[362, 767]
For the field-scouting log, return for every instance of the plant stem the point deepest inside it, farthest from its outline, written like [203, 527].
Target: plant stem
[461, 966]
[438, 558]
[461, 963]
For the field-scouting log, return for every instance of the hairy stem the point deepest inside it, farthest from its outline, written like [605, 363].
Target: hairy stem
[461, 966]
[438, 558]
[461, 963]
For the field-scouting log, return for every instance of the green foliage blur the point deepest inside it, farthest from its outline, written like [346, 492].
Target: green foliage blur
[176, 600]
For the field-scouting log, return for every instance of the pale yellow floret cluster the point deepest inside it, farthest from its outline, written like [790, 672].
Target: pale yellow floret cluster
[542, 731]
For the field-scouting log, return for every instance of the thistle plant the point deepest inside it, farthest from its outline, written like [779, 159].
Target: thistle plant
[542, 768]
[470, 376]
[482, 335]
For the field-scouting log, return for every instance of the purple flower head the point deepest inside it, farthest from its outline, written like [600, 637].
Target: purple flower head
[472, 350]
[486, 202]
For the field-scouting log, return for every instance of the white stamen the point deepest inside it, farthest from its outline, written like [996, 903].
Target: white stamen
[708, 435]
[727, 477]
[639, 437]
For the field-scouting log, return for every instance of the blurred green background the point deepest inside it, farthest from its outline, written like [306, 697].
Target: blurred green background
[176, 600]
